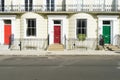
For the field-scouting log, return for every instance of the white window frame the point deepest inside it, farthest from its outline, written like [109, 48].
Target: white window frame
[28, 7]
[35, 34]
[76, 26]
[50, 5]
[1, 3]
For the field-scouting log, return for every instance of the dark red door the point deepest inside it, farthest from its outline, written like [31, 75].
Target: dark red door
[57, 34]
[7, 33]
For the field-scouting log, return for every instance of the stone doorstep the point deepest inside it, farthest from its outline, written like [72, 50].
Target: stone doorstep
[55, 47]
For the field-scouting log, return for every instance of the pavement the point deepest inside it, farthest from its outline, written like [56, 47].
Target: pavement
[65, 52]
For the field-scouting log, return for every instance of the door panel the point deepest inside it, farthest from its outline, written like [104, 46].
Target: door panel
[106, 34]
[7, 33]
[57, 34]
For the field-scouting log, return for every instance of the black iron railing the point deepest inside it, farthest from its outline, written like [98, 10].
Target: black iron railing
[29, 44]
[76, 44]
[63, 8]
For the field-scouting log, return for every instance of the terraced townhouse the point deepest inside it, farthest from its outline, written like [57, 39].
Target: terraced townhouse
[41, 24]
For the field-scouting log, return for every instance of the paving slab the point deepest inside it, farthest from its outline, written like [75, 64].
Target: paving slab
[65, 52]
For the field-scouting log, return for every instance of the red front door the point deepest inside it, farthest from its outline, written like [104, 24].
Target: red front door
[57, 34]
[7, 33]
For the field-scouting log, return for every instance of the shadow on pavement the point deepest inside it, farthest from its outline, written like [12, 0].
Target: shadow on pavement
[117, 51]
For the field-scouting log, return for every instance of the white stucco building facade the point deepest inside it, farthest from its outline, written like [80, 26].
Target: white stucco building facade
[36, 24]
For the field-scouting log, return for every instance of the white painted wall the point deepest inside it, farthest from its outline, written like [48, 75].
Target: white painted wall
[17, 28]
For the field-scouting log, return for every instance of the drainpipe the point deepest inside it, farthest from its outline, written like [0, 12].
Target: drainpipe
[82, 5]
[97, 48]
[48, 39]
[104, 5]
[116, 4]
[20, 44]
[65, 41]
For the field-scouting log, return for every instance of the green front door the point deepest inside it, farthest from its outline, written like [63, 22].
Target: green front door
[106, 34]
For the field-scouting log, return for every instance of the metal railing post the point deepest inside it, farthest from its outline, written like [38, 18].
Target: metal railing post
[65, 41]
[20, 45]
[48, 39]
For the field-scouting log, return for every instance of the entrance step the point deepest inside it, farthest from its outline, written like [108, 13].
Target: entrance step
[101, 47]
[56, 47]
[4, 47]
[112, 47]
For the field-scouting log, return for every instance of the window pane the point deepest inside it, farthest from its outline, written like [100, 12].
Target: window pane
[33, 32]
[78, 23]
[26, 5]
[31, 28]
[81, 26]
[83, 23]
[28, 32]
[2, 5]
[30, 5]
[52, 1]
[48, 1]
[83, 31]
[7, 21]
[33, 23]
[30, 1]
[26, 1]
[28, 23]
[48, 5]
[106, 22]
[57, 22]
[79, 31]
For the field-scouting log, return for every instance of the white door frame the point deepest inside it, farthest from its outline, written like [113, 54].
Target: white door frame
[6, 17]
[64, 27]
[114, 26]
